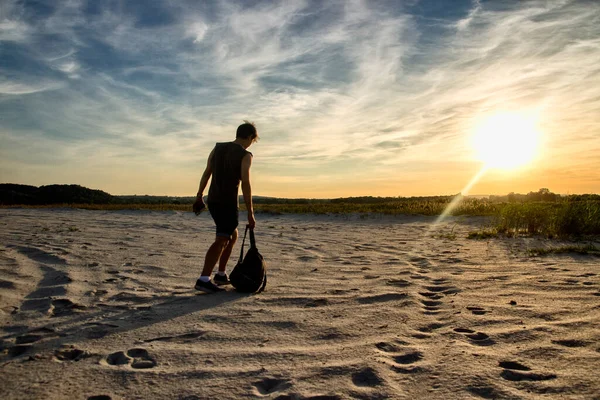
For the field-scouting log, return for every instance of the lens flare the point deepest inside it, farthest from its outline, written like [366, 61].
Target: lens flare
[456, 200]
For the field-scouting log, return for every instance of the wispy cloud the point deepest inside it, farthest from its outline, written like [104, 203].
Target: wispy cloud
[340, 90]
[11, 87]
[13, 31]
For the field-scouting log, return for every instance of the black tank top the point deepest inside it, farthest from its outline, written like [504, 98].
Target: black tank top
[226, 173]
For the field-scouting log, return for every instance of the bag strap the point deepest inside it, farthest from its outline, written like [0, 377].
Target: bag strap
[243, 242]
[264, 284]
[252, 240]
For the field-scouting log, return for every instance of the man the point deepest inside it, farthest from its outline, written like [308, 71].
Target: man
[229, 164]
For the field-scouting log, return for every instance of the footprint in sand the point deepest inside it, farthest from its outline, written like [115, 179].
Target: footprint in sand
[408, 358]
[477, 310]
[431, 307]
[431, 327]
[71, 354]
[515, 371]
[435, 290]
[412, 369]
[571, 343]
[118, 358]
[431, 295]
[269, 386]
[381, 298]
[513, 365]
[420, 261]
[401, 360]
[388, 347]
[137, 358]
[442, 289]
[476, 338]
[141, 359]
[398, 283]
[372, 276]
[366, 377]
[418, 335]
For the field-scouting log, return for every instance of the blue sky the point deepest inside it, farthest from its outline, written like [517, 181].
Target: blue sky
[350, 97]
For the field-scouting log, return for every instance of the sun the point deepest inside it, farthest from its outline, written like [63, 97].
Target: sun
[506, 140]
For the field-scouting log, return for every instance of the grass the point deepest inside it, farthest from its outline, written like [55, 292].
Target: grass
[588, 249]
[431, 207]
[483, 234]
[447, 236]
[552, 219]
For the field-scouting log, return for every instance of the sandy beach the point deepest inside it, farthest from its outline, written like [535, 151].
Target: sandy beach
[101, 305]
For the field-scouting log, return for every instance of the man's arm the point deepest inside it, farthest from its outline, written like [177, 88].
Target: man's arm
[199, 203]
[247, 189]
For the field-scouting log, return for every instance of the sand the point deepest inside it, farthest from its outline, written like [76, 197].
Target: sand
[101, 305]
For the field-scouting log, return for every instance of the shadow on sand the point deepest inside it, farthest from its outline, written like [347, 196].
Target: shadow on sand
[71, 323]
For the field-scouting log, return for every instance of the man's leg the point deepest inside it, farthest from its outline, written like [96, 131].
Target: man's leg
[227, 252]
[213, 254]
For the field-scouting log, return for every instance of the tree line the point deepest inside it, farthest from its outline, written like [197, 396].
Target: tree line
[15, 194]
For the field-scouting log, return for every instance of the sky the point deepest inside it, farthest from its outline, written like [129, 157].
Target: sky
[350, 98]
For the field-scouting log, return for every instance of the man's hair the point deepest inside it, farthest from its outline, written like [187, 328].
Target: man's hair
[247, 130]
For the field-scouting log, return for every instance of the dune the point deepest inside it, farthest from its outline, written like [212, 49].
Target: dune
[101, 305]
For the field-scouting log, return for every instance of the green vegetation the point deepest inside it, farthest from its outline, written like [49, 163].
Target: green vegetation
[561, 218]
[431, 206]
[581, 249]
[483, 234]
[536, 213]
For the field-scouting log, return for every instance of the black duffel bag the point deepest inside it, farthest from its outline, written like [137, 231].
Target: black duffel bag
[250, 273]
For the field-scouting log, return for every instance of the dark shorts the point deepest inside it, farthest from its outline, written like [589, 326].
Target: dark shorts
[226, 218]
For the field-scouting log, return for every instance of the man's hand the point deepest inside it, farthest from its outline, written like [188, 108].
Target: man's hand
[251, 220]
[198, 205]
